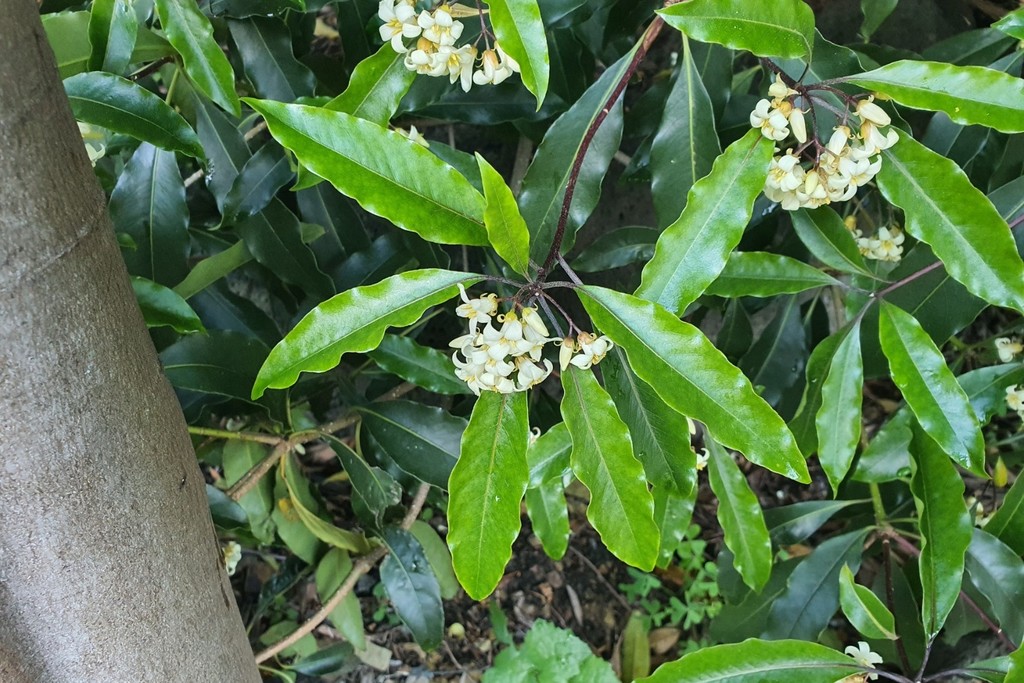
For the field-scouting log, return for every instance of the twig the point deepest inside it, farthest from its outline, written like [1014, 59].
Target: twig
[600, 577]
[258, 437]
[363, 565]
[257, 471]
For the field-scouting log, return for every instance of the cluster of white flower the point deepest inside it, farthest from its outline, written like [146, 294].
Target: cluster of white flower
[886, 245]
[1008, 348]
[434, 52]
[507, 359]
[1015, 399]
[232, 553]
[849, 161]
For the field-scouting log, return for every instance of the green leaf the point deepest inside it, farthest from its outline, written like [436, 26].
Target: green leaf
[758, 273]
[692, 252]
[257, 183]
[758, 661]
[122, 106]
[423, 441]
[265, 46]
[113, 28]
[506, 228]
[347, 617]
[823, 233]
[373, 487]
[812, 594]
[543, 190]
[784, 28]
[773, 363]
[617, 248]
[660, 435]
[930, 389]
[944, 210]
[161, 307]
[636, 648]
[213, 268]
[388, 174]
[864, 610]
[226, 513]
[191, 35]
[486, 489]
[672, 514]
[289, 523]
[221, 364]
[686, 144]
[621, 508]
[945, 530]
[548, 455]
[247, 8]
[376, 87]
[792, 524]
[967, 94]
[238, 458]
[225, 147]
[746, 615]
[423, 366]
[804, 423]
[439, 557]
[1007, 524]
[997, 571]
[518, 27]
[875, 13]
[305, 506]
[694, 378]
[741, 518]
[148, 204]
[549, 517]
[355, 322]
[838, 420]
[68, 35]
[413, 588]
[1012, 24]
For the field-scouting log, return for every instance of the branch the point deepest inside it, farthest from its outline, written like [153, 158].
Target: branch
[588, 137]
[363, 565]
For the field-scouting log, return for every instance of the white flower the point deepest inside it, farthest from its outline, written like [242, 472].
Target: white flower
[530, 373]
[232, 553]
[439, 27]
[863, 655]
[869, 111]
[779, 90]
[492, 69]
[399, 22]
[421, 60]
[1015, 398]
[874, 140]
[506, 59]
[785, 173]
[886, 245]
[1008, 348]
[592, 350]
[457, 64]
[477, 310]
[702, 459]
[770, 120]
[415, 136]
[837, 143]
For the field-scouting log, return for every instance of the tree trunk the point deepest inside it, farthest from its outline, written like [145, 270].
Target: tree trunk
[109, 566]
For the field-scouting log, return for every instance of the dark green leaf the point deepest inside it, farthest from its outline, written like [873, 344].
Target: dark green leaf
[506, 228]
[257, 183]
[791, 524]
[864, 610]
[692, 252]
[997, 571]
[804, 424]
[191, 34]
[486, 490]
[218, 364]
[248, 8]
[747, 615]
[930, 389]
[422, 440]
[620, 247]
[113, 28]
[548, 456]
[388, 174]
[412, 588]
[113, 102]
[423, 366]
[784, 28]
[376, 87]
[517, 25]
[945, 530]
[775, 360]
[823, 233]
[265, 47]
[226, 513]
[741, 518]
[373, 486]
[328, 660]
[694, 378]
[161, 307]
[758, 273]
[875, 13]
[226, 150]
[757, 661]
[439, 557]
[1007, 524]
[839, 419]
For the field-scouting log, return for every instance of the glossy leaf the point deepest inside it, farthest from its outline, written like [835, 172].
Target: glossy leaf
[692, 252]
[439, 556]
[823, 233]
[758, 661]
[486, 489]
[875, 13]
[113, 28]
[864, 610]
[746, 615]
[1012, 24]
[388, 174]
[967, 94]
[694, 378]
[376, 489]
[741, 518]
[225, 147]
[804, 423]
[347, 618]
[412, 588]
[148, 204]
[548, 455]
[122, 106]
[247, 8]
[376, 87]
[838, 420]
[68, 35]
[811, 597]
[945, 530]
[265, 47]
[238, 458]
[423, 441]
[944, 210]
[621, 508]
[190, 32]
[774, 362]
[257, 183]
[518, 27]
[792, 524]
[289, 522]
[758, 273]
[784, 28]
[617, 248]
[549, 517]
[543, 189]
[355, 322]
[305, 506]
[423, 366]
[930, 389]
[997, 571]
[1007, 524]
[672, 513]
[660, 435]
[686, 144]
[161, 307]
[213, 268]
[506, 228]
[221, 363]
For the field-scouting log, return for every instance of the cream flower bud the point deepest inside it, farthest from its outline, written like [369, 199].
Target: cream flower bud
[779, 89]
[533, 319]
[839, 139]
[565, 351]
[796, 121]
[1008, 348]
[869, 111]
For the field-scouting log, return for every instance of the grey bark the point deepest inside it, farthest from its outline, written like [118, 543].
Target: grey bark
[109, 566]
